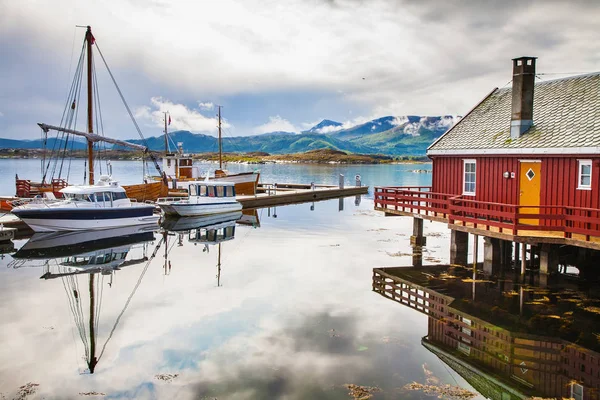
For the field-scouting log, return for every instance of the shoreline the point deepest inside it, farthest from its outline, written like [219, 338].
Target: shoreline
[322, 157]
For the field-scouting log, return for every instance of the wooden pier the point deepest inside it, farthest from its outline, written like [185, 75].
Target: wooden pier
[278, 194]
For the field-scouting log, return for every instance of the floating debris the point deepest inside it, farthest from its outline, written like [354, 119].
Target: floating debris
[469, 280]
[442, 391]
[435, 234]
[26, 390]
[592, 309]
[333, 333]
[361, 392]
[92, 394]
[398, 254]
[430, 378]
[445, 275]
[166, 377]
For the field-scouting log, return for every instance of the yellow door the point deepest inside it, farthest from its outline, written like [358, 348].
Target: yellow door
[529, 195]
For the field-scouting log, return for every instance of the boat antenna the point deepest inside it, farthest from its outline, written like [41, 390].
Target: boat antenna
[166, 133]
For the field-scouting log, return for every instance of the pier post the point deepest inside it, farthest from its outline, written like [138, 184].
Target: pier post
[341, 204]
[475, 250]
[417, 256]
[523, 258]
[506, 251]
[491, 255]
[341, 184]
[459, 246]
[516, 257]
[417, 237]
[548, 259]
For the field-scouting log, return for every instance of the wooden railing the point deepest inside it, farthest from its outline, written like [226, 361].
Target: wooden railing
[413, 199]
[567, 221]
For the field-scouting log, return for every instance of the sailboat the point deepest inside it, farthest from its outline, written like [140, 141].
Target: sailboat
[179, 168]
[55, 167]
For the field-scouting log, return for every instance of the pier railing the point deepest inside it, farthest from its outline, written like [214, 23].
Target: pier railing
[540, 220]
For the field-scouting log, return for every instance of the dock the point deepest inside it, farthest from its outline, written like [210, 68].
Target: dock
[277, 194]
[267, 195]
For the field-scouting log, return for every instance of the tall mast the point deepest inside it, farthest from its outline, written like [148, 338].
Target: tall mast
[166, 139]
[89, 38]
[220, 145]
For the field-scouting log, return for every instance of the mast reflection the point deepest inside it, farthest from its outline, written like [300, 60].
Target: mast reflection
[207, 230]
[84, 261]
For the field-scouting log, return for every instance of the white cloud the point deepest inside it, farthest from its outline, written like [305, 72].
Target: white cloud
[206, 106]
[275, 124]
[182, 117]
[330, 129]
[408, 57]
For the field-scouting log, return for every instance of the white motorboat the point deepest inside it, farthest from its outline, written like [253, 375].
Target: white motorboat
[205, 198]
[101, 206]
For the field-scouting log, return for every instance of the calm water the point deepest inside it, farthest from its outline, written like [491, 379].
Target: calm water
[129, 172]
[290, 314]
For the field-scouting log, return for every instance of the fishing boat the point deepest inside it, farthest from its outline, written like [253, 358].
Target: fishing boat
[104, 205]
[205, 198]
[179, 167]
[55, 164]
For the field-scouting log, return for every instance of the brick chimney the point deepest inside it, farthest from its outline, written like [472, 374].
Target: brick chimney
[522, 95]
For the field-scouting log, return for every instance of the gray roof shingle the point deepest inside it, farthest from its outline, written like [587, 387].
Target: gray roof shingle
[566, 116]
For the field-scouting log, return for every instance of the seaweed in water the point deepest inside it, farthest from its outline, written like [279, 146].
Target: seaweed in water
[361, 392]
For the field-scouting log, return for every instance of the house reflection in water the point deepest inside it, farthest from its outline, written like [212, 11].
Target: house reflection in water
[507, 339]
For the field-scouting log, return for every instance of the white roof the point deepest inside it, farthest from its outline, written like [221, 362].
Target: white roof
[90, 189]
[212, 183]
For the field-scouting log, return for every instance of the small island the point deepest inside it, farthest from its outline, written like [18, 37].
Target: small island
[319, 156]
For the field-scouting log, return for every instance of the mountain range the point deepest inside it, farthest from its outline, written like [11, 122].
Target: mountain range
[405, 135]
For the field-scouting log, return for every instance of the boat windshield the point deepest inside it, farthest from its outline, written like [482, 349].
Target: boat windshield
[78, 197]
[213, 191]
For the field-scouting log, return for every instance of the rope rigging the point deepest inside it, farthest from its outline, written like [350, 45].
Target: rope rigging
[139, 131]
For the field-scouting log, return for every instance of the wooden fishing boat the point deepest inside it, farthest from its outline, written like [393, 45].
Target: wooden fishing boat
[179, 168]
[150, 191]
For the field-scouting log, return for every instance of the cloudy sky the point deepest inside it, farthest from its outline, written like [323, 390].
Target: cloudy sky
[280, 65]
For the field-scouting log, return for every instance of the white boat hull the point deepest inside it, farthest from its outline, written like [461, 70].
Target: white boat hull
[198, 209]
[53, 225]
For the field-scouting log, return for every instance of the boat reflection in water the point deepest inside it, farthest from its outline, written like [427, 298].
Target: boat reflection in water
[508, 339]
[85, 261]
[208, 230]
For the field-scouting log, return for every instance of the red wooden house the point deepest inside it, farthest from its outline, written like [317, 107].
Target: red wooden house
[523, 165]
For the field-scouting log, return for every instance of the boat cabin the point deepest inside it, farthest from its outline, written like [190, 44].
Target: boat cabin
[212, 189]
[524, 162]
[178, 165]
[107, 193]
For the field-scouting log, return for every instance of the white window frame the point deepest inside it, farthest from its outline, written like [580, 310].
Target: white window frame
[577, 395]
[582, 163]
[465, 162]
